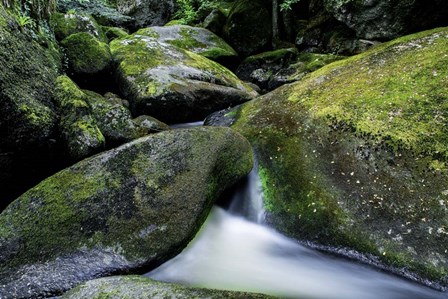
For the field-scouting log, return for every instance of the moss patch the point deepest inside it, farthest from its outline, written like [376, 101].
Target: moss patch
[355, 154]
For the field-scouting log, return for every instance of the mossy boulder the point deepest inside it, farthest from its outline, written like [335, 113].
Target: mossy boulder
[114, 32]
[384, 20]
[271, 69]
[195, 39]
[248, 28]
[78, 127]
[150, 124]
[148, 12]
[104, 12]
[158, 78]
[113, 120]
[28, 118]
[138, 287]
[123, 211]
[87, 55]
[70, 23]
[355, 155]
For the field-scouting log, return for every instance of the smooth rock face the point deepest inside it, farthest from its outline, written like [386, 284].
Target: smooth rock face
[172, 84]
[138, 287]
[384, 20]
[148, 12]
[355, 154]
[194, 39]
[123, 211]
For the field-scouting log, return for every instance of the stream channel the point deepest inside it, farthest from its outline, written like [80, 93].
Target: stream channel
[235, 250]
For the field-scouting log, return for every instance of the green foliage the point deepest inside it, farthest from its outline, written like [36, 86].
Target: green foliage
[286, 4]
[24, 21]
[190, 11]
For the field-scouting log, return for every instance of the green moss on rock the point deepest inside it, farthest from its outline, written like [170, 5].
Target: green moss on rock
[194, 39]
[113, 119]
[67, 24]
[27, 74]
[158, 78]
[78, 126]
[124, 211]
[86, 54]
[355, 154]
[138, 287]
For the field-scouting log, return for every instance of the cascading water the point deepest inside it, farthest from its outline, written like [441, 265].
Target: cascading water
[232, 251]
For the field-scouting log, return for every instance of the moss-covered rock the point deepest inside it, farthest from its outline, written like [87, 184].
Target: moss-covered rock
[28, 118]
[356, 154]
[197, 40]
[114, 32]
[385, 20]
[138, 287]
[215, 22]
[87, 55]
[149, 124]
[113, 119]
[70, 23]
[248, 28]
[123, 211]
[272, 69]
[78, 126]
[172, 84]
[148, 12]
[104, 12]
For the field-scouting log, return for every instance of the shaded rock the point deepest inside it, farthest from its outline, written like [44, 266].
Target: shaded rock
[270, 70]
[148, 12]
[150, 125]
[158, 78]
[248, 27]
[355, 154]
[123, 211]
[70, 23]
[78, 126]
[384, 20]
[197, 40]
[104, 13]
[322, 33]
[113, 119]
[114, 32]
[215, 21]
[87, 55]
[28, 118]
[139, 287]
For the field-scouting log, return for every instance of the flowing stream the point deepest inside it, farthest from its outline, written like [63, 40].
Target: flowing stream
[234, 251]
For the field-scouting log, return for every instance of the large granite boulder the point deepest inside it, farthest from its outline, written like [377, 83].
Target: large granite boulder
[123, 211]
[355, 154]
[384, 20]
[195, 39]
[139, 287]
[172, 84]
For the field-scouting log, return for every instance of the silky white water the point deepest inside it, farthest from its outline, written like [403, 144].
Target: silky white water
[231, 252]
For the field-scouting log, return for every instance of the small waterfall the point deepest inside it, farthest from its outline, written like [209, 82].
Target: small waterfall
[248, 200]
[232, 251]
